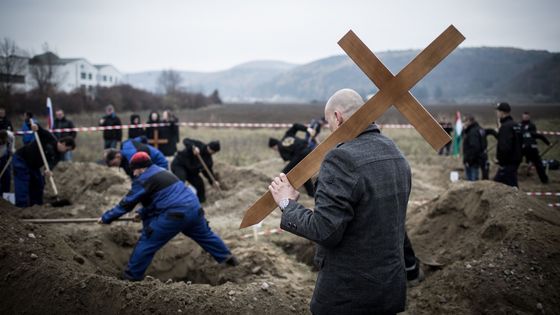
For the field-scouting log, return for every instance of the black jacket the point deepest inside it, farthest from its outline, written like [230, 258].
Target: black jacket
[63, 123]
[6, 124]
[291, 147]
[31, 155]
[115, 134]
[510, 141]
[530, 135]
[171, 134]
[187, 159]
[135, 132]
[474, 145]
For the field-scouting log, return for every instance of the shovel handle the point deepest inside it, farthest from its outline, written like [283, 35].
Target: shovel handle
[6, 166]
[45, 161]
[208, 171]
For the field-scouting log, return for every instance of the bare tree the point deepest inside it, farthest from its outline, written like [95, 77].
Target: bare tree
[13, 63]
[170, 81]
[44, 72]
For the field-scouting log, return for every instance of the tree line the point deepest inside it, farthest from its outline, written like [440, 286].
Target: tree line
[14, 62]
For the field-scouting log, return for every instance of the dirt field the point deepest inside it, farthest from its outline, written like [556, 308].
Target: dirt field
[498, 248]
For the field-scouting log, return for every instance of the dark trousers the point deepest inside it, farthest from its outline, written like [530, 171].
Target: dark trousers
[485, 168]
[6, 180]
[192, 177]
[309, 187]
[532, 156]
[507, 174]
[411, 263]
[471, 172]
[110, 144]
[28, 183]
[161, 229]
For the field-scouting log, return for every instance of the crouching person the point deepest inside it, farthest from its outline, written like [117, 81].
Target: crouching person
[169, 208]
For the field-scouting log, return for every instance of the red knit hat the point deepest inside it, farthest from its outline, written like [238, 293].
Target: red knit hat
[140, 160]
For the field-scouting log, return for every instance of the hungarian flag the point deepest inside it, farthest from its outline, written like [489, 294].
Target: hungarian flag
[457, 134]
[50, 113]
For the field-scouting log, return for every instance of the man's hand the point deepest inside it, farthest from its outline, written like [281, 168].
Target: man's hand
[137, 217]
[282, 189]
[195, 150]
[217, 184]
[48, 173]
[100, 221]
[34, 127]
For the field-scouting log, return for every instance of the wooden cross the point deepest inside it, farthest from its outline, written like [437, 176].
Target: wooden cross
[392, 90]
[156, 140]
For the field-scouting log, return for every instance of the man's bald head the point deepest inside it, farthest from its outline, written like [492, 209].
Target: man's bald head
[341, 106]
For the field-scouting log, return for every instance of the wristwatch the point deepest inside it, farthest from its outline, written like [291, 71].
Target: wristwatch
[284, 203]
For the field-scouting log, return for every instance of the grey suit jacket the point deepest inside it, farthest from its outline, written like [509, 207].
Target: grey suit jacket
[358, 224]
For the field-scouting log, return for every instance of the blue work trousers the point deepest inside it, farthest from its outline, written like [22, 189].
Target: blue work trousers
[161, 229]
[29, 184]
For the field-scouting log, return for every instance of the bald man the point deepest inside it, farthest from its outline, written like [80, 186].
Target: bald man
[358, 219]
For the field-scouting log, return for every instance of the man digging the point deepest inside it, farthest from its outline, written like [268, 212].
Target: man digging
[168, 208]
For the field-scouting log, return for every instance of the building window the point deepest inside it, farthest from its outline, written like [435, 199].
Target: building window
[90, 76]
[104, 78]
[83, 75]
[110, 79]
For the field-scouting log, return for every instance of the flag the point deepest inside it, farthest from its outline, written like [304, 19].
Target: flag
[50, 113]
[457, 134]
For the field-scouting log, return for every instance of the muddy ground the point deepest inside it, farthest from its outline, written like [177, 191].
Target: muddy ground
[498, 251]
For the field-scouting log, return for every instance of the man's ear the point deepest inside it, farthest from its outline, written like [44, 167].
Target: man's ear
[339, 118]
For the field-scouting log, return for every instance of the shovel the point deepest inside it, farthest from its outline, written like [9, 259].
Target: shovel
[209, 173]
[57, 202]
[6, 166]
[73, 220]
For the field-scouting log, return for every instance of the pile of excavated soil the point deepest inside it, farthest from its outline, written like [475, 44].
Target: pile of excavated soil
[91, 188]
[44, 272]
[500, 250]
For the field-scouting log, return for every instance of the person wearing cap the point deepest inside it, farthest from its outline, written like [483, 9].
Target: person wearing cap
[186, 164]
[121, 158]
[29, 183]
[168, 208]
[293, 150]
[530, 147]
[508, 149]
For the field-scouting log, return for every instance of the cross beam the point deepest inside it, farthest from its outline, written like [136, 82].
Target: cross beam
[392, 90]
[156, 141]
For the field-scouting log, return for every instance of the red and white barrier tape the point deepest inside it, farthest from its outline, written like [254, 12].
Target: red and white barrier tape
[550, 133]
[220, 125]
[541, 193]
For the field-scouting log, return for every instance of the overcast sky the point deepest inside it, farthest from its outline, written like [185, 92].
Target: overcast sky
[209, 35]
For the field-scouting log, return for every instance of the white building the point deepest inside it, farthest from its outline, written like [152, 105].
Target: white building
[71, 73]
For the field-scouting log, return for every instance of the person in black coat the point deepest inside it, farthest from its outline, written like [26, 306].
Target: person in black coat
[27, 162]
[61, 122]
[186, 165]
[293, 150]
[530, 147]
[5, 123]
[114, 136]
[509, 147]
[169, 133]
[135, 132]
[474, 148]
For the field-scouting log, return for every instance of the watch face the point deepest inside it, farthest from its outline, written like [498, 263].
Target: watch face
[284, 203]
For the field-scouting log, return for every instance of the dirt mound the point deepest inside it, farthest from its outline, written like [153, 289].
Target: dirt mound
[44, 272]
[501, 251]
[91, 188]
